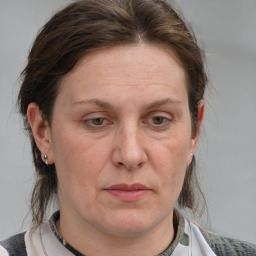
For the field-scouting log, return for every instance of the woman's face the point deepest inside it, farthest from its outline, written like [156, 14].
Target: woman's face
[121, 139]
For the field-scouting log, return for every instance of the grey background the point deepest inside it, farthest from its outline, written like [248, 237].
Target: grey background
[227, 31]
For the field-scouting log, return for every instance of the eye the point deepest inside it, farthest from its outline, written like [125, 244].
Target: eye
[97, 121]
[159, 120]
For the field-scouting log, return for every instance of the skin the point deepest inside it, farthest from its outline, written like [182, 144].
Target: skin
[121, 117]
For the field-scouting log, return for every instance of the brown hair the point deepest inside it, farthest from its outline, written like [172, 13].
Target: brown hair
[88, 25]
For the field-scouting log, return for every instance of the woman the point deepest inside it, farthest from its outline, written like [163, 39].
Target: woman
[113, 99]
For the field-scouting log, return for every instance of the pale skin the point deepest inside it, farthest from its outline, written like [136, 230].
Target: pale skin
[121, 116]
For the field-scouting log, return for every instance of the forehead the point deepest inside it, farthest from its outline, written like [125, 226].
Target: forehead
[142, 67]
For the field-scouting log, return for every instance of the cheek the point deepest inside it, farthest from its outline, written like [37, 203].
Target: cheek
[172, 153]
[170, 161]
[78, 160]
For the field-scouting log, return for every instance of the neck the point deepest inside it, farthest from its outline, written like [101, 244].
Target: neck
[90, 241]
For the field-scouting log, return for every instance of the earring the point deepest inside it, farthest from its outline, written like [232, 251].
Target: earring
[192, 155]
[46, 159]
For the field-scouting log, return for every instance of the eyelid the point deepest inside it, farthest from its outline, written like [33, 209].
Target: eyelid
[159, 114]
[97, 114]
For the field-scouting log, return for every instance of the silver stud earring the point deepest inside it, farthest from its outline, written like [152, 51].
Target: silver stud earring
[46, 159]
[191, 155]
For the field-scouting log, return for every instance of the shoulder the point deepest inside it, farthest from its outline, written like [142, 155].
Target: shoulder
[15, 245]
[224, 246]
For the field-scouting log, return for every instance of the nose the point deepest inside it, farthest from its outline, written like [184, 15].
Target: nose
[129, 152]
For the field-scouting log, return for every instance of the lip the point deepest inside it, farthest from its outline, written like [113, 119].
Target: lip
[128, 193]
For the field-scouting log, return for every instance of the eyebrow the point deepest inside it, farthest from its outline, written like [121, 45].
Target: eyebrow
[97, 102]
[107, 105]
[162, 102]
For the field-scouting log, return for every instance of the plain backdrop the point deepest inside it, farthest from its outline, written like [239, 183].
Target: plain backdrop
[226, 29]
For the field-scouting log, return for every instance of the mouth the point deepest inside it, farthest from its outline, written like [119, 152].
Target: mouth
[128, 193]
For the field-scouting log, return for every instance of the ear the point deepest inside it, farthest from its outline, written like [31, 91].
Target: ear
[195, 139]
[41, 131]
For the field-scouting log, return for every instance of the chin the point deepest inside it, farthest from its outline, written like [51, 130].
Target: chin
[130, 225]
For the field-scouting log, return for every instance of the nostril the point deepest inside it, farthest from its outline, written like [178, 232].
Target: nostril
[139, 165]
[129, 167]
[120, 164]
